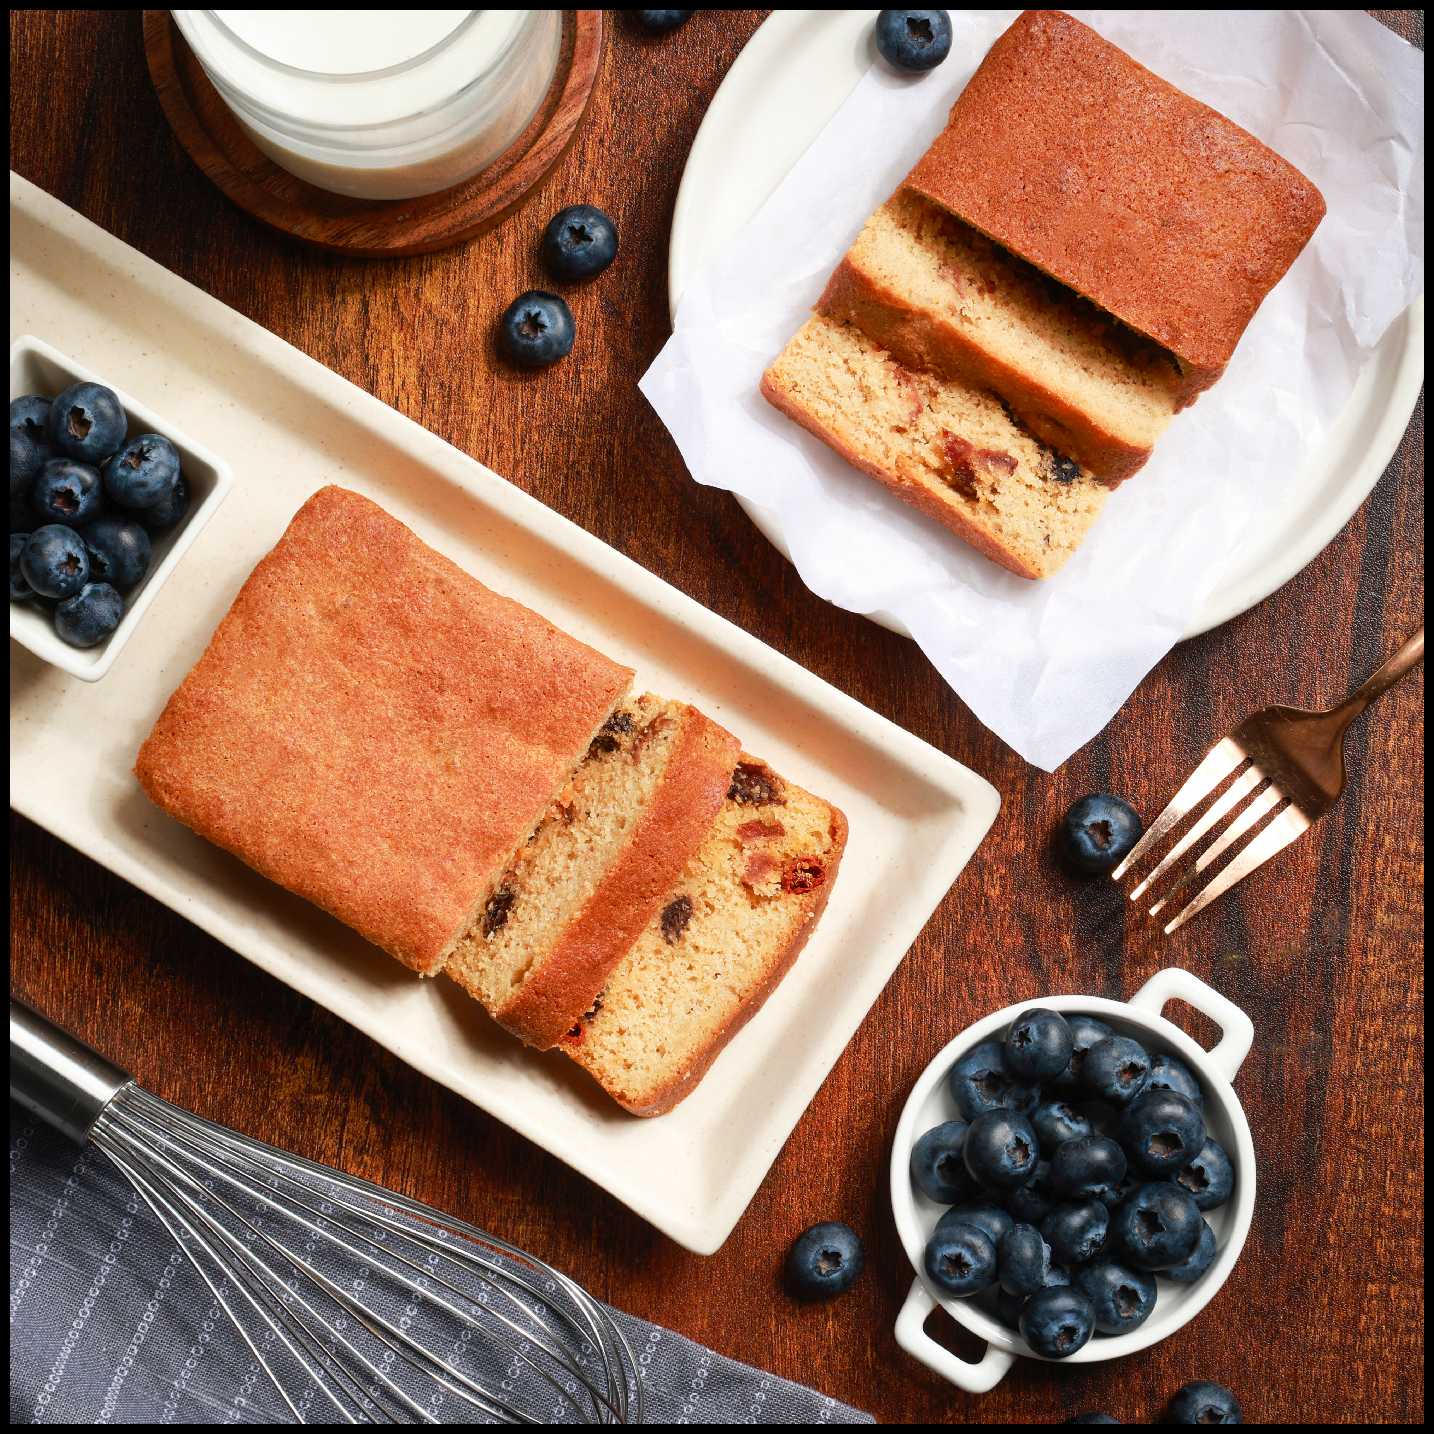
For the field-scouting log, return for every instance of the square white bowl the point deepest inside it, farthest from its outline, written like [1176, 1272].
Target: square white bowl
[36, 367]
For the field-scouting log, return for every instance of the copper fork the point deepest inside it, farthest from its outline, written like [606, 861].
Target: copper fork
[1291, 772]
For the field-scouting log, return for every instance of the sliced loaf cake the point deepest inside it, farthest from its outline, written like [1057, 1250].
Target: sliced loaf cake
[944, 446]
[726, 934]
[937, 295]
[595, 870]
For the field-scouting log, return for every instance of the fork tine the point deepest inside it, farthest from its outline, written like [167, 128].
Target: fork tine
[1290, 824]
[1239, 790]
[1260, 808]
[1220, 761]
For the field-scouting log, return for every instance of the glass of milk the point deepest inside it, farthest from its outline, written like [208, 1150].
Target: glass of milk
[379, 104]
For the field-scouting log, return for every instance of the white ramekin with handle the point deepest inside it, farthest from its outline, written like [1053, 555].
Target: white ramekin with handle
[930, 1103]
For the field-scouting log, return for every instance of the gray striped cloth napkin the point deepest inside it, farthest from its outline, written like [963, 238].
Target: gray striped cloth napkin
[110, 1324]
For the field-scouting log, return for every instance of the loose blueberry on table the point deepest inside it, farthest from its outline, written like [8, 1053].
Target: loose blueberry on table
[663, 22]
[1097, 834]
[579, 242]
[824, 1261]
[536, 329]
[913, 39]
[1204, 1402]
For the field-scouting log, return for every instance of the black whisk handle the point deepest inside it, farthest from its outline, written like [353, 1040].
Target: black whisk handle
[57, 1077]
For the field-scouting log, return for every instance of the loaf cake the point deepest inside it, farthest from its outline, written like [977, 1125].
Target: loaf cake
[375, 730]
[948, 448]
[937, 295]
[1156, 207]
[725, 935]
[590, 878]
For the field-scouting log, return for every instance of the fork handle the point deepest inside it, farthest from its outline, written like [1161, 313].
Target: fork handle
[1382, 679]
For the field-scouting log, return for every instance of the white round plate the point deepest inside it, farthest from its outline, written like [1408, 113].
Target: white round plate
[793, 75]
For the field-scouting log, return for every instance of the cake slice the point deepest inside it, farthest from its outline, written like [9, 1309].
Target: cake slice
[590, 878]
[937, 295]
[1168, 215]
[948, 448]
[726, 934]
[374, 729]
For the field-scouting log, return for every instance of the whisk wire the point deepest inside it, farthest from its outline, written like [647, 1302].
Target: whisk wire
[194, 1175]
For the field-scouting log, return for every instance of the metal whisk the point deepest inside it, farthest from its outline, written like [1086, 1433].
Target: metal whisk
[360, 1305]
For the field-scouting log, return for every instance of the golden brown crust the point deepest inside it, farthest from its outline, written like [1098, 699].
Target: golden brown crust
[1156, 207]
[946, 511]
[666, 1097]
[551, 999]
[920, 339]
[374, 729]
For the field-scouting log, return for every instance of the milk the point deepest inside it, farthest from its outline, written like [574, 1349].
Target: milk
[380, 104]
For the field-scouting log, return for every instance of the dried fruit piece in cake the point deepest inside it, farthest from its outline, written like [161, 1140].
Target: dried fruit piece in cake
[938, 295]
[726, 934]
[942, 445]
[596, 869]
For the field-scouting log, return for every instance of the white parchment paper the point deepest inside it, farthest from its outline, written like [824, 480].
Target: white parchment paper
[1047, 664]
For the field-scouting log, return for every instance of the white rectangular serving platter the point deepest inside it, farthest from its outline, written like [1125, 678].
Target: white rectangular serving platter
[288, 425]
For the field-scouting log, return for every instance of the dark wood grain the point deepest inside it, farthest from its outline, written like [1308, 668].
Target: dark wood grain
[220, 146]
[1322, 1319]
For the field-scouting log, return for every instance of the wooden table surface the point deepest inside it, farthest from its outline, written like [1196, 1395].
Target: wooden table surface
[1322, 1318]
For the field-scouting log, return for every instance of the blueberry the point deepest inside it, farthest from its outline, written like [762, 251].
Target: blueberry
[143, 473]
[937, 1169]
[1157, 1227]
[1161, 1132]
[119, 552]
[960, 1260]
[1087, 1168]
[1056, 1121]
[1038, 1045]
[1095, 1418]
[1204, 1403]
[1171, 1073]
[824, 1261]
[20, 590]
[1057, 1322]
[86, 422]
[984, 1216]
[663, 22]
[913, 39]
[30, 446]
[90, 616]
[1001, 1149]
[1116, 1069]
[55, 561]
[1085, 1031]
[1114, 1195]
[1210, 1177]
[167, 512]
[536, 329]
[1122, 1299]
[67, 492]
[579, 242]
[1022, 1259]
[1033, 1201]
[980, 1081]
[1190, 1270]
[1098, 833]
[1077, 1232]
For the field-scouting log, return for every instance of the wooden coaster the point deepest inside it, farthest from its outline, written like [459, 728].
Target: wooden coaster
[217, 143]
